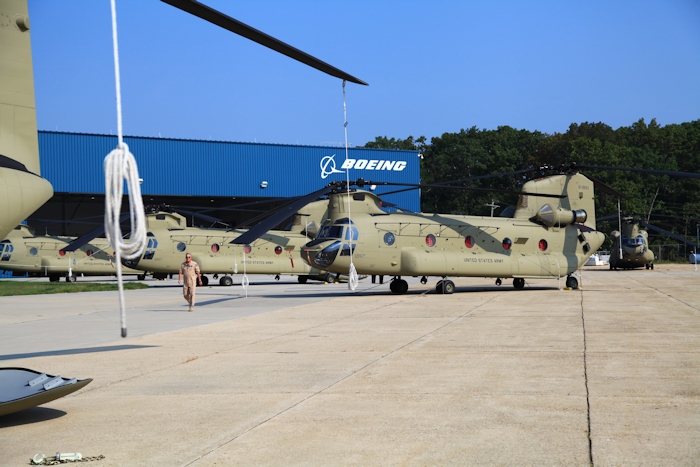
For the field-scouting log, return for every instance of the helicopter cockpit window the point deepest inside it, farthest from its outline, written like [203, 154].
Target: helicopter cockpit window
[351, 233]
[331, 231]
[639, 240]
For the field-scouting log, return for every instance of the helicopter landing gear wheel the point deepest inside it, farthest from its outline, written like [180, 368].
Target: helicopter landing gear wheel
[519, 283]
[572, 282]
[445, 287]
[498, 282]
[54, 278]
[71, 278]
[141, 277]
[302, 279]
[205, 281]
[226, 281]
[398, 286]
[651, 266]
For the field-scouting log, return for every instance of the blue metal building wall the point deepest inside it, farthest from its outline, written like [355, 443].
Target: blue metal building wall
[72, 162]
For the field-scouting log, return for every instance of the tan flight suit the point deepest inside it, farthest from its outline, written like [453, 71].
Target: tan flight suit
[189, 273]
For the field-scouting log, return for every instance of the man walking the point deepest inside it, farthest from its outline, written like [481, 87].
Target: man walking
[190, 270]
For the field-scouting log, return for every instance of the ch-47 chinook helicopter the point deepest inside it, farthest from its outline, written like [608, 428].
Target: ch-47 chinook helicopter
[41, 256]
[551, 233]
[22, 190]
[277, 252]
[631, 243]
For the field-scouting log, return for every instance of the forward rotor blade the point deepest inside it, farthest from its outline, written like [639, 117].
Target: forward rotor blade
[667, 233]
[87, 238]
[215, 17]
[286, 211]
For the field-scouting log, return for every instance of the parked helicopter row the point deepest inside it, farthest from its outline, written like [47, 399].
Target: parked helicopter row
[169, 237]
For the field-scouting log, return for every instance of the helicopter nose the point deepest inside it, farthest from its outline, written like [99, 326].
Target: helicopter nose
[321, 254]
[131, 263]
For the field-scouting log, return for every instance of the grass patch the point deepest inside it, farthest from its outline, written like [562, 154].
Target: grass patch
[17, 287]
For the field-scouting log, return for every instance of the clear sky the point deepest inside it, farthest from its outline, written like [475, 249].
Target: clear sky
[433, 67]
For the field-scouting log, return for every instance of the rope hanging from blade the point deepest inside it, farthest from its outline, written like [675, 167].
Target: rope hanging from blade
[120, 166]
[352, 273]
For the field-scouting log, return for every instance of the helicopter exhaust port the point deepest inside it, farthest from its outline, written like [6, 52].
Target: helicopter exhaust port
[560, 217]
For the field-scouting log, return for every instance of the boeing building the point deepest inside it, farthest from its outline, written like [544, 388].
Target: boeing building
[230, 181]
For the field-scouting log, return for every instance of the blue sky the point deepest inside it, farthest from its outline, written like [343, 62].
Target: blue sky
[432, 67]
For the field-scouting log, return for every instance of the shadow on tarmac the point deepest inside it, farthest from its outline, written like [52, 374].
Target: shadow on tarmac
[28, 416]
[73, 351]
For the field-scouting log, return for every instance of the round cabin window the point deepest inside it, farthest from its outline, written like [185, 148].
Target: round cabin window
[389, 238]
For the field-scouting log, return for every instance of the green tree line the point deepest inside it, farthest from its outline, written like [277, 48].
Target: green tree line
[653, 198]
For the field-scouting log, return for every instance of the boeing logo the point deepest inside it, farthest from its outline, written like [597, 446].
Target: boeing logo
[328, 165]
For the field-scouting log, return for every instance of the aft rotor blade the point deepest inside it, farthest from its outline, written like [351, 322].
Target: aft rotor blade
[469, 179]
[633, 169]
[605, 188]
[285, 212]
[88, 237]
[451, 187]
[216, 17]
[667, 233]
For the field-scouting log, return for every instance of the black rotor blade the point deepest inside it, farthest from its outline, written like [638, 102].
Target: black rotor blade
[469, 179]
[633, 169]
[215, 17]
[198, 215]
[605, 188]
[286, 211]
[87, 238]
[362, 183]
[667, 233]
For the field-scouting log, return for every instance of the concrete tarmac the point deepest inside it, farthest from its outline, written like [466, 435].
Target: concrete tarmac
[314, 375]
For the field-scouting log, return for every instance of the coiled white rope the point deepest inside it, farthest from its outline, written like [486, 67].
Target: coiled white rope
[120, 166]
[244, 281]
[353, 280]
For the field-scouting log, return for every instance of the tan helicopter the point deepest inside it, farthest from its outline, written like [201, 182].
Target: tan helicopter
[41, 256]
[22, 190]
[631, 249]
[551, 233]
[276, 253]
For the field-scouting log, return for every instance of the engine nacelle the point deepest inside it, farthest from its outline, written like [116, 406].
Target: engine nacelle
[560, 217]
